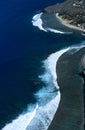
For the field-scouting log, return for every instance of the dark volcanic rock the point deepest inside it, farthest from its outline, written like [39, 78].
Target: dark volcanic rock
[70, 114]
[70, 9]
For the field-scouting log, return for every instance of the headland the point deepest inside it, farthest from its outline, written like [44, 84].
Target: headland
[70, 114]
[70, 69]
[70, 12]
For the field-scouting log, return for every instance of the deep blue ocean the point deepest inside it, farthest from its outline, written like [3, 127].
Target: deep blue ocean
[23, 47]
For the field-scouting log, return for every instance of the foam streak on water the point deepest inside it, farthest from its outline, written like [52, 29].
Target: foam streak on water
[55, 31]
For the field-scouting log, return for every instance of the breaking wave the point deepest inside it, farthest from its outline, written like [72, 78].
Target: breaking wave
[45, 113]
[22, 121]
[57, 31]
[83, 34]
[40, 116]
[37, 21]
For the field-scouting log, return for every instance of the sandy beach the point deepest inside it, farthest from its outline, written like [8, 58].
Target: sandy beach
[68, 23]
[70, 114]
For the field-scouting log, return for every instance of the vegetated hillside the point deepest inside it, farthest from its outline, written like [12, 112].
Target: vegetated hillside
[73, 10]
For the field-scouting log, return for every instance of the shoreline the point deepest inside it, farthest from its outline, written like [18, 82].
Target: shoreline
[70, 114]
[67, 23]
[83, 61]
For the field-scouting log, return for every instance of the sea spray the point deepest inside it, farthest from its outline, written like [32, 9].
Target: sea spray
[45, 114]
[41, 116]
[22, 121]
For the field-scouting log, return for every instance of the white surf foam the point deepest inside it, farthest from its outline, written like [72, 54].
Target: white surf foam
[45, 113]
[40, 117]
[37, 21]
[50, 66]
[22, 121]
[83, 34]
[74, 49]
[57, 31]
